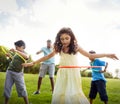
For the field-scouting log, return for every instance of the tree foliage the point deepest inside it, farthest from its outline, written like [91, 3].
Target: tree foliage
[4, 61]
[117, 71]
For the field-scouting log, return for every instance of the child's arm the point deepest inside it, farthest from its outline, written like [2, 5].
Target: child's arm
[102, 71]
[39, 52]
[40, 60]
[24, 55]
[87, 54]
[8, 55]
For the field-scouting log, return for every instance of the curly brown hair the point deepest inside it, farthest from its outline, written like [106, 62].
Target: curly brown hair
[73, 43]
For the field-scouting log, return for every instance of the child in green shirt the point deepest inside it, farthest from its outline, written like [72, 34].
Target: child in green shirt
[14, 74]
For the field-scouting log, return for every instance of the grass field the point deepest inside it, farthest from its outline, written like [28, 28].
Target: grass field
[113, 89]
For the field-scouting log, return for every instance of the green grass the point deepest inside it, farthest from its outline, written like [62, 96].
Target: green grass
[113, 90]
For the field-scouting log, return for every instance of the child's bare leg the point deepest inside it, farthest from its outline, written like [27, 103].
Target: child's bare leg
[26, 100]
[91, 101]
[106, 102]
[6, 100]
[52, 83]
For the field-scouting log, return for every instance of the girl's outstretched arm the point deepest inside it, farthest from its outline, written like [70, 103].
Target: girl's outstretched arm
[87, 54]
[40, 60]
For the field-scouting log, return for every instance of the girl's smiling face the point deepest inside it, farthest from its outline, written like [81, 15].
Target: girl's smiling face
[65, 40]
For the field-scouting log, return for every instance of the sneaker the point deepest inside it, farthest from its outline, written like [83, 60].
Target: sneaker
[36, 92]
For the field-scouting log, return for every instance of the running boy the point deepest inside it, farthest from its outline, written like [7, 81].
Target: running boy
[14, 73]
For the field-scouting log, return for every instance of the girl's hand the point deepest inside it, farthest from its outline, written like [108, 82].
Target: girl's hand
[28, 64]
[112, 56]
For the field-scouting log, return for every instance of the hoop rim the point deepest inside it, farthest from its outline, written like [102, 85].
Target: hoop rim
[79, 66]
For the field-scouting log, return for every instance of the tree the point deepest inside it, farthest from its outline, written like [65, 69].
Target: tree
[4, 62]
[33, 69]
[117, 73]
[108, 75]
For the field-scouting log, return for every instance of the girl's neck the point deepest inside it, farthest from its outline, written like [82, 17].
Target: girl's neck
[65, 49]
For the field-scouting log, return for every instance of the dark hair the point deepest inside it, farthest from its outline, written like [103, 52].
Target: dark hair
[73, 43]
[49, 41]
[19, 43]
[92, 52]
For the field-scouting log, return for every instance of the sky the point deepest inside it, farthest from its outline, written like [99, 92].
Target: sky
[95, 23]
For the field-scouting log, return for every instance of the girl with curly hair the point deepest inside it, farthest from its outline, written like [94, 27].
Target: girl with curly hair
[68, 88]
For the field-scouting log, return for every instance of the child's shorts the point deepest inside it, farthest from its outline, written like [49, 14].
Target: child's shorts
[98, 86]
[18, 79]
[50, 68]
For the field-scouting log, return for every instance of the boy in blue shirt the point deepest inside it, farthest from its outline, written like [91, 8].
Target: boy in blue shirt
[98, 83]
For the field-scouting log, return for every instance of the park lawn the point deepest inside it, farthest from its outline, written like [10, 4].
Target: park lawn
[113, 89]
